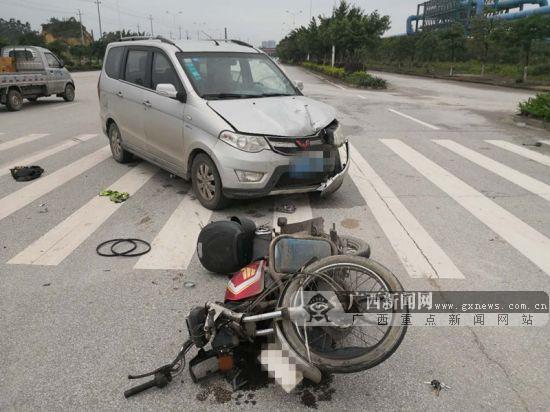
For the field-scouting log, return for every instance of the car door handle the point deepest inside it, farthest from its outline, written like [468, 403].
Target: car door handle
[119, 94]
[147, 103]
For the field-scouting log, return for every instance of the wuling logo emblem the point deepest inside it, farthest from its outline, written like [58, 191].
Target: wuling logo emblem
[303, 144]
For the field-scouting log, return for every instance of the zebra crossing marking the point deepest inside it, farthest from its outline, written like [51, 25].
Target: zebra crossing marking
[531, 243]
[5, 168]
[522, 151]
[526, 182]
[175, 245]
[53, 247]
[28, 194]
[21, 140]
[418, 252]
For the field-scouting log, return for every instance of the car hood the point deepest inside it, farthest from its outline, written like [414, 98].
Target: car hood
[275, 116]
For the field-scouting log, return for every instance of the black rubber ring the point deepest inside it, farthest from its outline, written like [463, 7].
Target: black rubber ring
[143, 242]
[126, 252]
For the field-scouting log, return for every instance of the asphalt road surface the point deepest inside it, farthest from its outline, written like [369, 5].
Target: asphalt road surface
[441, 185]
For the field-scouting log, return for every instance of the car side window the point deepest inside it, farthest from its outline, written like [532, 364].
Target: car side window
[164, 72]
[114, 62]
[52, 61]
[136, 67]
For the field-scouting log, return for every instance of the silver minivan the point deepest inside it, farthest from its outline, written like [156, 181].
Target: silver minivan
[221, 114]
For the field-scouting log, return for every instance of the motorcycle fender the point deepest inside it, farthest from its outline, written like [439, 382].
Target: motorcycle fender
[247, 282]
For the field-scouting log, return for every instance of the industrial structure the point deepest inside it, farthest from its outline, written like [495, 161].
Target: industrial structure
[435, 14]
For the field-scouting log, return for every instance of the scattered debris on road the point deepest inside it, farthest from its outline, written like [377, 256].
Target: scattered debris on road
[26, 173]
[437, 386]
[188, 285]
[115, 196]
[43, 208]
[286, 208]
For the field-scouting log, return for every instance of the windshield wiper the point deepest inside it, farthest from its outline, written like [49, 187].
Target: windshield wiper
[228, 96]
[274, 94]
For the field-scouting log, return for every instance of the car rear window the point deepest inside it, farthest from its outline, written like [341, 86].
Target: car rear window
[114, 61]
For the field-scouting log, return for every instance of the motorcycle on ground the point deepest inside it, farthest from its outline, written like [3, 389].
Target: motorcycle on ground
[276, 308]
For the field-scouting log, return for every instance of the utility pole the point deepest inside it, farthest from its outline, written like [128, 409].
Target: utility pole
[139, 31]
[81, 29]
[99, 17]
[225, 33]
[151, 20]
[119, 20]
[179, 27]
[187, 34]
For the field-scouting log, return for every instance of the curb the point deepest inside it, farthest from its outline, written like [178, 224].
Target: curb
[457, 78]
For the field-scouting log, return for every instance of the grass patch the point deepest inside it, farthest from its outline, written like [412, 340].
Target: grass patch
[359, 78]
[538, 107]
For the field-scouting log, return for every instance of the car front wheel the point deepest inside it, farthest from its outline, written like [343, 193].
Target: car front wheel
[68, 96]
[207, 183]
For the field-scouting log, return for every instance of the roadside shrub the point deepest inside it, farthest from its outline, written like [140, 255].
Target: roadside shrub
[364, 79]
[328, 70]
[358, 78]
[538, 107]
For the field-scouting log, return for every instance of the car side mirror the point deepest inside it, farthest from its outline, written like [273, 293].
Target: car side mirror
[167, 89]
[61, 63]
[300, 85]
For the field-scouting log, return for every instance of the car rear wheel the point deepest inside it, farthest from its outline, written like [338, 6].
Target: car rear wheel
[119, 153]
[68, 96]
[207, 183]
[14, 100]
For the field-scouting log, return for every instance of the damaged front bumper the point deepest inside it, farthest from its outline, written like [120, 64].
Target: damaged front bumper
[275, 186]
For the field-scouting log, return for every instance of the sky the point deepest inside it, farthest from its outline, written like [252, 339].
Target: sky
[248, 20]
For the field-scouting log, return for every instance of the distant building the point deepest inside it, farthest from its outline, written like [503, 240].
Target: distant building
[269, 47]
[269, 44]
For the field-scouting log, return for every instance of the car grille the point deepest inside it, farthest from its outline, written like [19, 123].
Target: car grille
[318, 143]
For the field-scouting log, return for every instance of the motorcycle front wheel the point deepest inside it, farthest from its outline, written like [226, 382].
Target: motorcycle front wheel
[342, 349]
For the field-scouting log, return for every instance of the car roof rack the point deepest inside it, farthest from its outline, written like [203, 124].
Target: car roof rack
[160, 38]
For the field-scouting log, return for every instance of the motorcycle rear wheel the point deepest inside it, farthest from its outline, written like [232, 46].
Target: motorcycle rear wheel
[358, 359]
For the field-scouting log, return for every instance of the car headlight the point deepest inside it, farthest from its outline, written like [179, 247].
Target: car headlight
[243, 142]
[338, 136]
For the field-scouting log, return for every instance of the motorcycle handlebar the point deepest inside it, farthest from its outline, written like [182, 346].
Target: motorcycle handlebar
[160, 381]
[140, 388]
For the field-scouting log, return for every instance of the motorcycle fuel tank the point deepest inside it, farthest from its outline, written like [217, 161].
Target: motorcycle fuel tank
[247, 282]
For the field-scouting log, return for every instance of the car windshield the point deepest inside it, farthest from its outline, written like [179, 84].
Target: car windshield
[218, 76]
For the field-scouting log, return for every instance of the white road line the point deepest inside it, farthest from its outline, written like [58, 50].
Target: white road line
[361, 97]
[65, 106]
[27, 161]
[527, 182]
[175, 245]
[53, 247]
[406, 116]
[328, 81]
[28, 194]
[419, 253]
[522, 151]
[303, 209]
[21, 140]
[531, 243]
